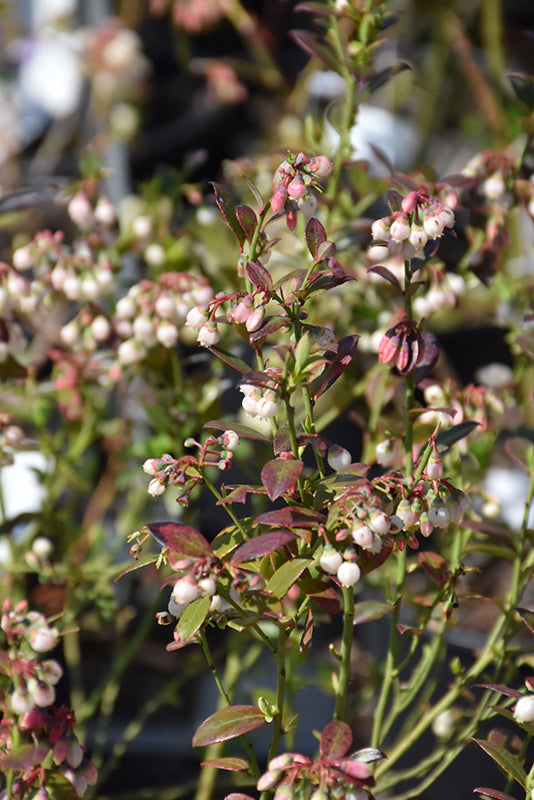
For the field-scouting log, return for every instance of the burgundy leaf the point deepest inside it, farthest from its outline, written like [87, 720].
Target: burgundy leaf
[243, 431]
[336, 739]
[280, 476]
[340, 356]
[274, 324]
[435, 567]
[247, 219]
[508, 762]
[370, 610]
[385, 273]
[324, 251]
[237, 495]
[291, 517]
[231, 764]
[493, 793]
[227, 207]
[497, 687]
[228, 723]
[181, 540]
[292, 284]
[370, 561]
[261, 545]
[229, 358]
[313, 47]
[259, 276]
[322, 281]
[315, 235]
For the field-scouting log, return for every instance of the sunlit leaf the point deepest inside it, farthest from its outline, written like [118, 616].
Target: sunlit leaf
[229, 358]
[291, 516]
[227, 207]
[315, 235]
[336, 739]
[230, 764]
[263, 544]
[523, 86]
[286, 576]
[280, 476]
[369, 610]
[182, 540]
[228, 723]
[259, 276]
[193, 618]
[243, 431]
[247, 219]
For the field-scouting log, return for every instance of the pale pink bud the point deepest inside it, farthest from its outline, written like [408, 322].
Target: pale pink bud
[43, 639]
[141, 227]
[69, 334]
[321, 166]
[80, 211]
[57, 278]
[125, 308]
[156, 487]
[348, 573]
[101, 328]
[494, 186]
[385, 453]
[72, 287]
[425, 525]
[405, 513]
[400, 229]
[229, 439]
[242, 311]
[434, 468]
[409, 203]
[380, 229]
[296, 188]
[43, 694]
[362, 535]
[143, 329]
[338, 457]
[207, 586]
[433, 226]
[74, 755]
[185, 590]
[269, 780]
[165, 306]
[208, 334]
[176, 609]
[278, 199]
[155, 255]
[129, 352]
[267, 407]
[150, 467]
[167, 334]
[378, 521]
[21, 701]
[418, 237]
[255, 319]
[438, 514]
[446, 216]
[22, 258]
[50, 671]
[104, 212]
[330, 560]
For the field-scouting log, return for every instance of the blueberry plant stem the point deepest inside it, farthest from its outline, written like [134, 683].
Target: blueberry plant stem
[345, 670]
[281, 676]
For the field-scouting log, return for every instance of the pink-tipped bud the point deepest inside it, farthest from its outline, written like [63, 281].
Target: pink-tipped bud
[409, 203]
[434, 468]
[255, 319]
[278, 200]
[400, 229]
[242, 310]
[297, 188]
[321, 166]
[185, 590]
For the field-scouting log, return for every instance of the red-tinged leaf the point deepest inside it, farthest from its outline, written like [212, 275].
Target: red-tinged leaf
[134, 567]
[292, 284]
[510, 764]
[259, 276]
[182, 540]
[291, 517]
[282, 441]
[370, 561]
[435, 567]
[280, 476]
[493, 793]
[324, 251]
[315, 235]
[317, 9]
[230, 764]
[286, 576]
[227, 207]
[352, 768]
[247, 219]
[311, 45]
[369, 610]
[340, 356]
[307, 633]
[228, 723]
[528, 617]
[243, 431]
[23, 758]
[257, 378]
[239, 494]
[261, 545]
[394, 200]
[496, 687]
[336, 739]
[229, 358]
[385, 273]
[193, 618]
[323, 281]
[255, 193]
[521, 450]
[328, 600]
[272, 325]
[385, 75]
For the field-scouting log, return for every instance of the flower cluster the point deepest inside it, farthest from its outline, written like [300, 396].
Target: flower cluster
[420, 219]
[183, 472]
[30, 708]
[292, 183]
[262, 400]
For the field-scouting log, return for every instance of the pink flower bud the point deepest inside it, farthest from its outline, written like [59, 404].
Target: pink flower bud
[434, 468]
[43, 695]
[268, 780]
[229, 439]
[297, 188]
[156, 487]
[362, 535]
[74, 755]
[409, 203]
[197, 317]
[80, 211]
[321, 166]
[43, 639]
[255, 319]
[242, 311]
[278, 200]
[208, 335]
[400, 229]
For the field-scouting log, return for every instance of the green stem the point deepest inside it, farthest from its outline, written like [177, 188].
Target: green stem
[227, 507]
[278, 731]
[345, 669]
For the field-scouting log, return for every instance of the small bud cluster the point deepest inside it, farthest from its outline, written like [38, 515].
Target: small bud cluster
[292, 775]
[184, 472]
[406, 347]
[429, 507]
[292, 182]
[151, 314]
[491, 174]
[420, 219]
[29, 703]
[342, 565]
[262, 400]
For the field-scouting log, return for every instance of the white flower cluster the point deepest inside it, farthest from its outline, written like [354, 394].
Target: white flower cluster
[260, 401]
[342, 565]
[421, 219]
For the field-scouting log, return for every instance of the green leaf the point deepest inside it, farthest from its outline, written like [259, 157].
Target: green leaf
[228, 723]
[229, 358]
[509, 763]
[243, 431]
[369, 610]
[284, 577]
[227, 762]
[193, 618]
